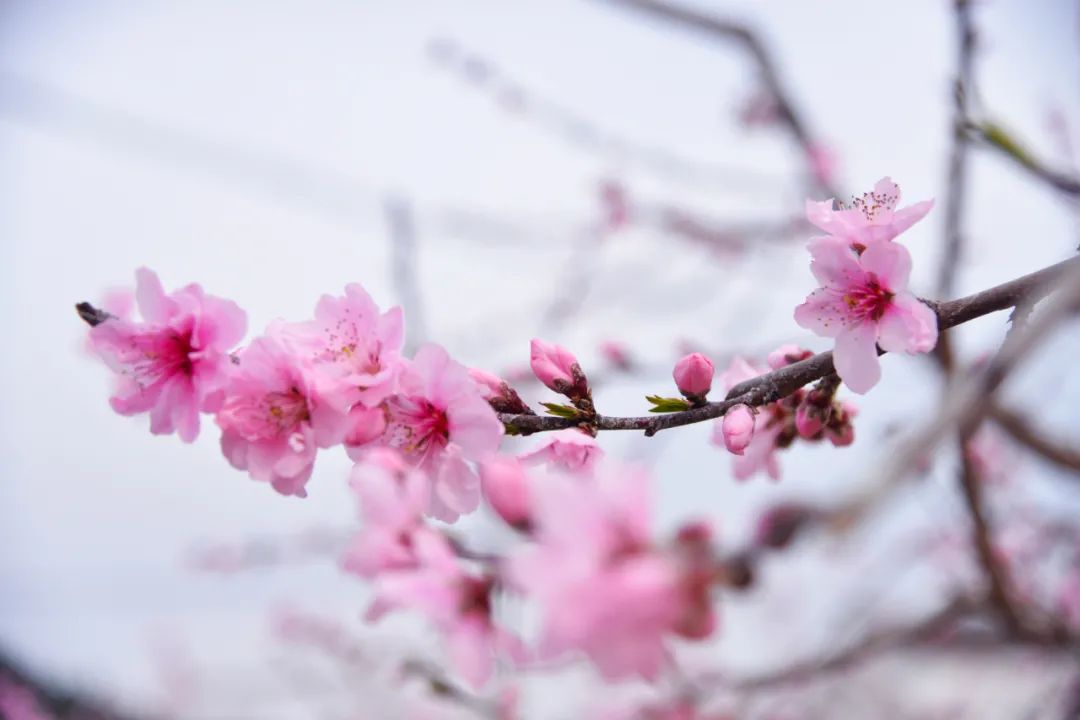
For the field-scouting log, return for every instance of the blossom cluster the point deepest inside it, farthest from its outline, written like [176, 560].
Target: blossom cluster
[426, 438]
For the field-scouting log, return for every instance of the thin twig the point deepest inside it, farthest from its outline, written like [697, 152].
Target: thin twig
[403, 260]
[783, 382]
[729, 31]
[1021, 430]
[958, 156]
[1001, 596]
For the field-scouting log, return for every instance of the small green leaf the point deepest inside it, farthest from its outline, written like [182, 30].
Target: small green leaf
[1001, 139]
[666, 405]
[560, 410]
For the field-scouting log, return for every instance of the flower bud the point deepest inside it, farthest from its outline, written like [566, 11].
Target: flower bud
[490, 385]
[809, 419]
[786, 355]
[556, 367]
[738, 428]
[693, 376]
[506, 489]
[366, 425]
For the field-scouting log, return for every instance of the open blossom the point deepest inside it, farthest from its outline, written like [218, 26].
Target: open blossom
[393, 498]
[273, 420]
[871, 218]
[174, 362]
[694, 375]
[353, 348]
[601, 586]
[440, 421]
[506, 489]
[456, 600]
[863, 303]
[568, 450]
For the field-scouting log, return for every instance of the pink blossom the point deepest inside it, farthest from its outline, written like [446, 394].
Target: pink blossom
[490, 385]
[694, 375]
[601, 587]
[617, 354]
[273, 420]
[737, 428]
[760, 453]
[498, 392]
[568, 450]
[455, 600]
[440, 422]
[872, 218]
[506, 489]
[365, 427]
[823, 162]
[786, 355]
[353, 347]
[393, 497]
[556, 367]
[174, 362]
[864, 303]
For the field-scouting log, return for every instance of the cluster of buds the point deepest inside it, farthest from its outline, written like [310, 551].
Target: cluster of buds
[558, 369]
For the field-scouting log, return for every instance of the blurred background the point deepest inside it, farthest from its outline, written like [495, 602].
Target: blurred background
[579, 170]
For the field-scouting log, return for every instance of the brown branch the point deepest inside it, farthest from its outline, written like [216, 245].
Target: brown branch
[1020, 429]
[730, 31]
[870, 646]
[958, 156]
[990, 136]
[783, 382]
[1001, 597]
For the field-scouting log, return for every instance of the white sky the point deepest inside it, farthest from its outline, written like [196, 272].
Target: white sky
[249, 146]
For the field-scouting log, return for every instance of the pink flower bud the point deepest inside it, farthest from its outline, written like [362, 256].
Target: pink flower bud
[809, 419]
[554, 366]
[506, 488]
[366, 425]
[738, 428]
[693, 375]
[786, 355]
[490, 385]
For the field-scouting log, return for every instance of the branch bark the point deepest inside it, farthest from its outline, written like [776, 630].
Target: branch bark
[783, 382]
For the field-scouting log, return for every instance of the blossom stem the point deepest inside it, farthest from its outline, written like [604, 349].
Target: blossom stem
[783, 382]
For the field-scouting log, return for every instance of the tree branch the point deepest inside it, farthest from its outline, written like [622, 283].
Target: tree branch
[783, 382]
[1001, 597]
[727, 30]
[1020, 429]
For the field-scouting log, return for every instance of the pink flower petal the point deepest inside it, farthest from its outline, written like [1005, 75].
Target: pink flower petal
[856, 358]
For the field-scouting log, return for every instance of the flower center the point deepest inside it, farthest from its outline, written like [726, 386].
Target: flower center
[416, 426]
[159, 356]
[267, 416]
[869, 301]
[872, 204]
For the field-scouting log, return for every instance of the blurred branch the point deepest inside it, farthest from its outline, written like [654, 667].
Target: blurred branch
[726, 30]
[958, 155]
[993, 136]
[60, 703]
[513, 97]
[1001, 597]
[971, 395]
[781, 383]
[873, 645]
[1021, 430]
[403, 267]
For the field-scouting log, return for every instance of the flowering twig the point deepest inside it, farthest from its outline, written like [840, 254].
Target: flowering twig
[783, 382]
